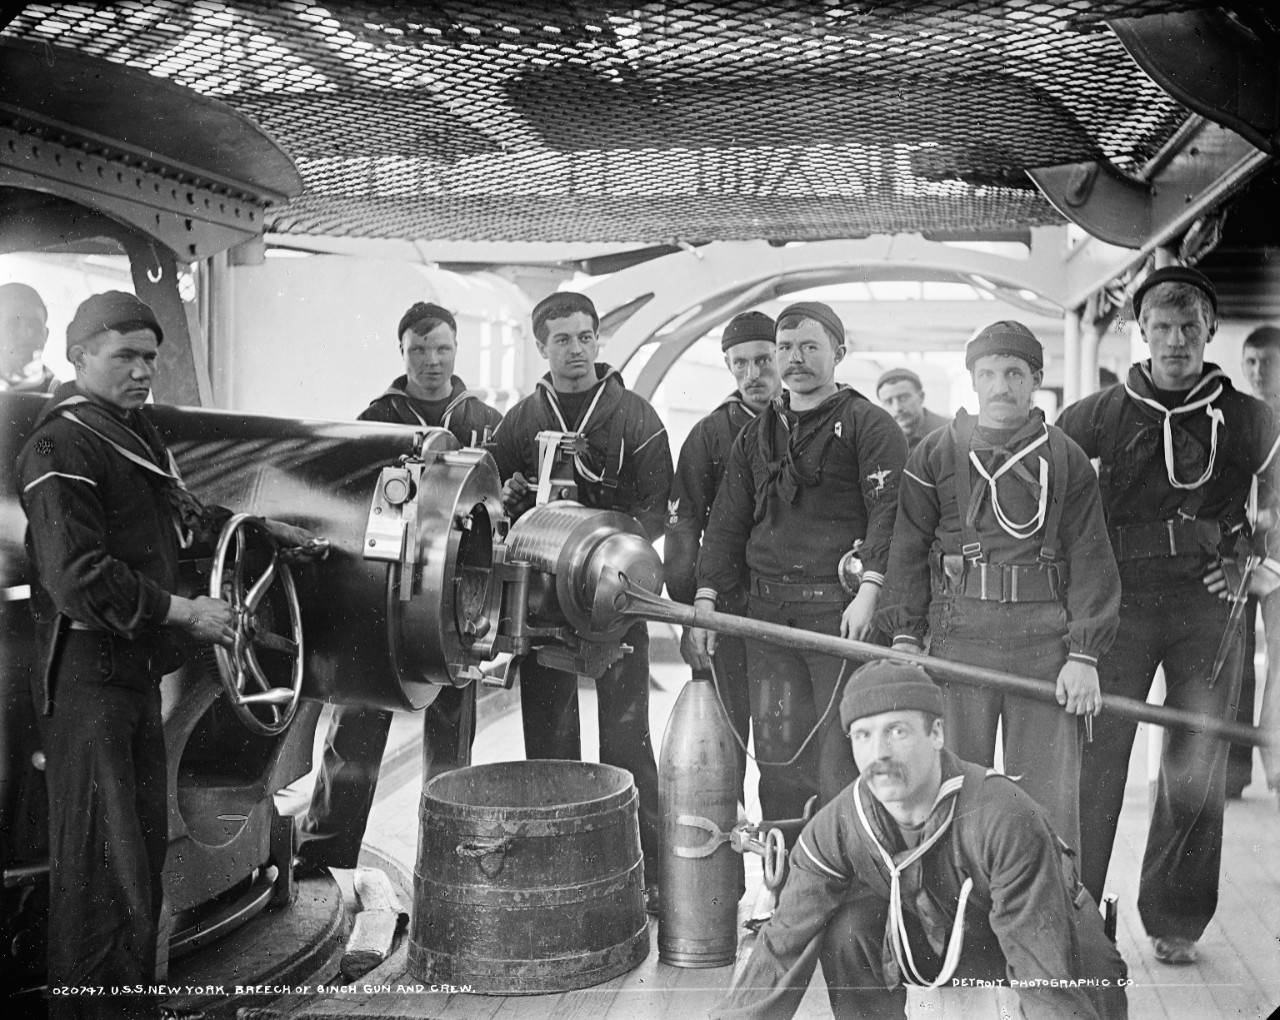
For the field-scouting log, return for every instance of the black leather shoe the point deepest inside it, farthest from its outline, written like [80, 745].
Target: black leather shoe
[652, 898]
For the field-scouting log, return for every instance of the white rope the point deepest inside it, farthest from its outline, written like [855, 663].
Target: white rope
[1216, 419]
[1030, 527]
[898, 941]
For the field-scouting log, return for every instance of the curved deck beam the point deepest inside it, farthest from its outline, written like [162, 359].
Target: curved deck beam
[693, 291]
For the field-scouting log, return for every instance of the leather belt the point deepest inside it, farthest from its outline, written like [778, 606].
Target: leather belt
[799, 591]
[1164, 538]
[1008, 582]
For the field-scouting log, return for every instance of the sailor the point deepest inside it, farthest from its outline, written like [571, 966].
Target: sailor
[623, 463]
[1260, 360]
[429, 395]
[931, 871]
[1000, 559]
[1178, 448]
[23, 332]
[901, 393]
[107, 513]
[750, 355]
[816, 473]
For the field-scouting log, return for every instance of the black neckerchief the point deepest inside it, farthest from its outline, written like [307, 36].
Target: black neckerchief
[784, 475]
[134, 432]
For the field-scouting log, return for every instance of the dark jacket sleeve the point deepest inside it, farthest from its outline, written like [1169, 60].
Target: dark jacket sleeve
[1078, 422]
[692, 494]
[1031, 910]
[724, 544]
[381, 410]
[882, 454]
[62, 497]
[477, 417]
[775, 978]
[1267, 456]
[650, 457]
[904, 605]
[508, 445]
[1093, 585]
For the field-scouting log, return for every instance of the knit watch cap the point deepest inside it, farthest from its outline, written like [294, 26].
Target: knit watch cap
[819, 312]
[1174, 274]
[899, 375]
[745, 328]
[111, 310]
[562, 304]
[888, 685]
[420, 313]
[1005, 337]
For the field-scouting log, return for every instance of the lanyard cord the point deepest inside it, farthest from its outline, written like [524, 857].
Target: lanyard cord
[1215, 417]
[583, 470]
[898, 941]
[1030, 527]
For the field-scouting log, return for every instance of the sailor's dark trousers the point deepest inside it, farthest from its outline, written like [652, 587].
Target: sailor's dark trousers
[333, 829]
[1181, 627]
[552, 727]
[790, 690]
[1041, 742]
[108, 825]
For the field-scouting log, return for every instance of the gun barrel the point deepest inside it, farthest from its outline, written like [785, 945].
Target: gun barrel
[650, 607]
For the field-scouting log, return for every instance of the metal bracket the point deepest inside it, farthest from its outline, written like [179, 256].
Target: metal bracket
[193, 219]
[1213, 64]
[1231, 80]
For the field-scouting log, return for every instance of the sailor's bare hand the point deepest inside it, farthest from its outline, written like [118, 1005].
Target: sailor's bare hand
[858, 619]
[1078, 689]
[517, 495]
[208, 620]
[297, 545]
[696, 657]
[702, 644]
[1226, 582]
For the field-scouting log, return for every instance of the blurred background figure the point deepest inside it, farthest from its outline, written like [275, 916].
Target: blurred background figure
[901, 393]
[1260, 359]
[23, 332]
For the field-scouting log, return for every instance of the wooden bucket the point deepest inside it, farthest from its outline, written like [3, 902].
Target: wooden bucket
[529, 878]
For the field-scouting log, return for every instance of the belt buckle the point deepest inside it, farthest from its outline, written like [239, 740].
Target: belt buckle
[1009, 583]
[982, 580]
[1173, 542]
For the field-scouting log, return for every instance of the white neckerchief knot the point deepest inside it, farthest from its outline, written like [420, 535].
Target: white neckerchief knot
[1216, 419]
[1027, 528]
[897, 932]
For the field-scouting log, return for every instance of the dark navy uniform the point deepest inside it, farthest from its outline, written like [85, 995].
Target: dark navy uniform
[462, 412]
[626, 467]
[800, 489]
[1023, 917]
[699, 472]
[1176, 470]
[103, 536]
[929, 423]
[1019, 601]
[333, 828]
